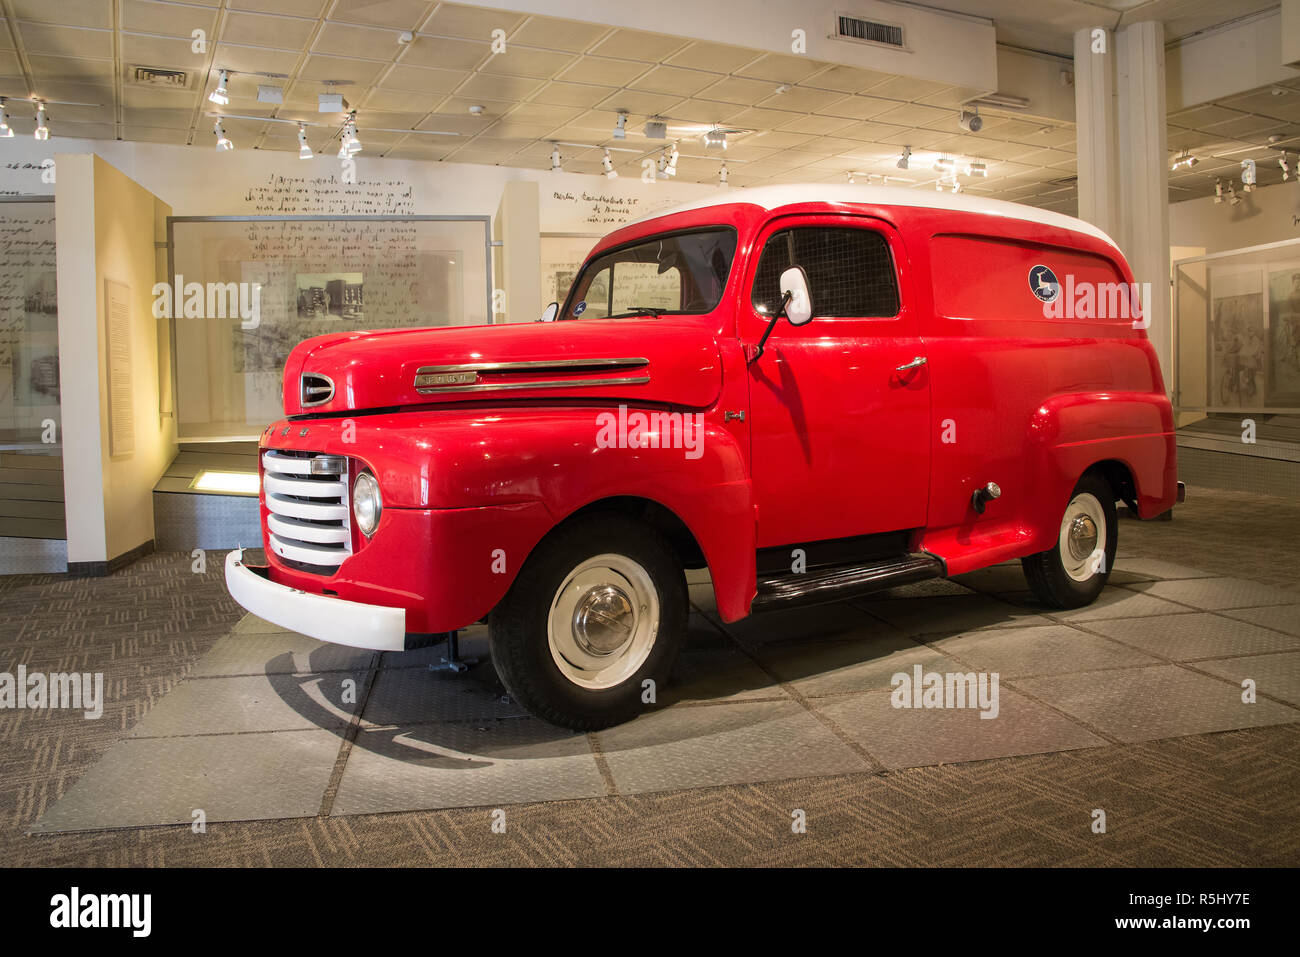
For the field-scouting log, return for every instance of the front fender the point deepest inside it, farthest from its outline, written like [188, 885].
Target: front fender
[560, 459]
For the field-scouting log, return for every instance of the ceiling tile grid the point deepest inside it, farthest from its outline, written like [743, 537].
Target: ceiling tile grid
[511, 86]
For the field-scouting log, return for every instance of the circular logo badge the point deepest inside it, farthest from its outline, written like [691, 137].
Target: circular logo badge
[580, 308]
[1043, 284]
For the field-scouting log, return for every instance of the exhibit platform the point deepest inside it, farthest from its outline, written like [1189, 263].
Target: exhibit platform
[189, 514]
[1212, 453]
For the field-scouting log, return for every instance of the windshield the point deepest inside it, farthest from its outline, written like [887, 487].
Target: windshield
[677, 273]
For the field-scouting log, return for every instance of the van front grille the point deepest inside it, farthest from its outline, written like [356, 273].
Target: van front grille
[306, 494]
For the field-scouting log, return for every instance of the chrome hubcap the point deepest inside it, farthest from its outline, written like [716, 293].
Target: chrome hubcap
[1083, 537]
[603, 620]
[1083, 540]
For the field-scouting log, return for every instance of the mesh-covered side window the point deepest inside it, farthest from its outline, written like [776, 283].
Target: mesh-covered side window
[850, 271]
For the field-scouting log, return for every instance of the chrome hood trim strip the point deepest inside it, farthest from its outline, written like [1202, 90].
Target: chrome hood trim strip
[465, 377]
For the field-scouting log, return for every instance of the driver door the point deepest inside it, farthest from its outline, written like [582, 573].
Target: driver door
[840, 426]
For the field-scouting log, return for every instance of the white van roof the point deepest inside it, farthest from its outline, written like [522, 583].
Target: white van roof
[774, 197]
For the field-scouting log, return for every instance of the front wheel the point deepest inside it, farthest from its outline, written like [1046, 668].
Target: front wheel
[1073, 572]
[590, 629]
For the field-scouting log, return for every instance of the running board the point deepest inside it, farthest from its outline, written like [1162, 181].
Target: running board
[843, 581]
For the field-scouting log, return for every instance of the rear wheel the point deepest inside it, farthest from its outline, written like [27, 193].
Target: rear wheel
[598, 610]
[1074, 571]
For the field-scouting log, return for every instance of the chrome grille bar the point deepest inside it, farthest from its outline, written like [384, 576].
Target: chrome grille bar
[306, 494]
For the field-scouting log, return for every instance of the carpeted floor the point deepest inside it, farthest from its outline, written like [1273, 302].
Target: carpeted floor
[1216, 799]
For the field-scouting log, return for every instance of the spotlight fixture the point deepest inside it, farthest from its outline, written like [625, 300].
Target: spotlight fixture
[1184, 159]
[608, 163]
[42, 131]
[221, 95]
[956, 188]
[1218, 192]
[304, 151]
[905, 158]
[620, 127]
[851, 179]
[715, 138]
[1248, 175]
[350, 139]
[671, 168]
[1233, 198]
[555, 158]
[1281, 161]
[343, 148]
[722, 174]
[970, 122]
[5, 130]
[223, 141]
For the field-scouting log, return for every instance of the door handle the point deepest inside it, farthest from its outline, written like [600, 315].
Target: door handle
[914, 364]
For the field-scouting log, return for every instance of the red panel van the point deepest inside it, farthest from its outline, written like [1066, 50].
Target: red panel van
[813, 391]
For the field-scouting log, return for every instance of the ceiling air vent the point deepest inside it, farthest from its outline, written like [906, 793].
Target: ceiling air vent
[151, 76]
[868, 31]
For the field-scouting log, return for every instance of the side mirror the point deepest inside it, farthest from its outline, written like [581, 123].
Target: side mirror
[796, 306]
[549, 314]
[794, 282]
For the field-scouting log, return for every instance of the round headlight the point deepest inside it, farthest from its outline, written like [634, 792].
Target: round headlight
[366, 503]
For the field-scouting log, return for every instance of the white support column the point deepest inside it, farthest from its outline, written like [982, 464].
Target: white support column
[1143, 173]
[1097, 128]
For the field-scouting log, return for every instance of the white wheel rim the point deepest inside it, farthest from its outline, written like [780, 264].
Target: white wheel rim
[1084, 540]
[603, 621]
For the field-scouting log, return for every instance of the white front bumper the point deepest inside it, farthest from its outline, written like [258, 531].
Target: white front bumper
[376, 627]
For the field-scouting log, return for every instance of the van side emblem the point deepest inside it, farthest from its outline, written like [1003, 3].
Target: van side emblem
[426, 379]
[1043, 284]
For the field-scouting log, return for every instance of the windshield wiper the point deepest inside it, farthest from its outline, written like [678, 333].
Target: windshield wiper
[639, 311]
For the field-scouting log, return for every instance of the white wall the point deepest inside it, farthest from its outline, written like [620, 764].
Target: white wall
[199, 181]
[106, 227]
[1264, 216]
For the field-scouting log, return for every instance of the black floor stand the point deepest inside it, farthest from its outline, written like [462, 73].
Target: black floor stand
[453, 662]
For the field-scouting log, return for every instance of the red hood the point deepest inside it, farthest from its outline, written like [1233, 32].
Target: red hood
[671, 359]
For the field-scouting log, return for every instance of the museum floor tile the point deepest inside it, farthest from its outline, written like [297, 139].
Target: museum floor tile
[272, 725]
[206, 709]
